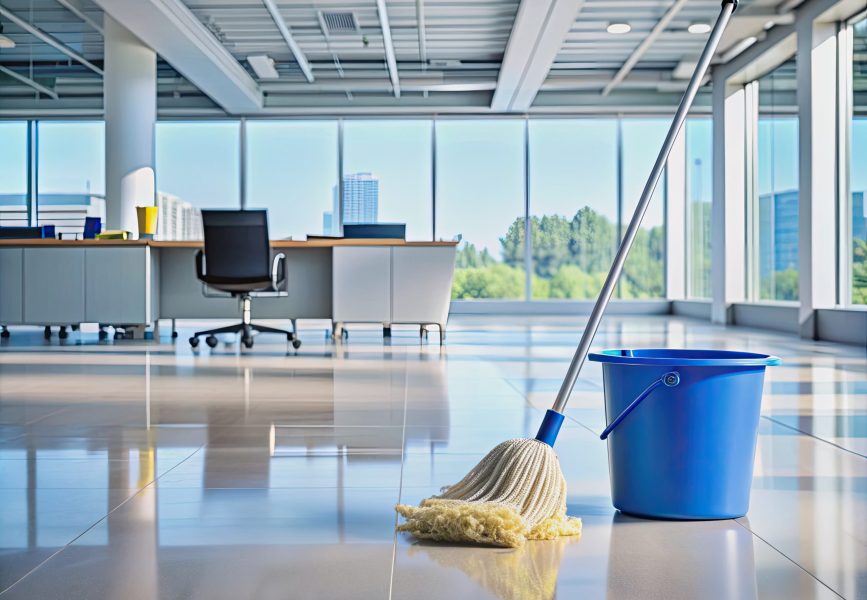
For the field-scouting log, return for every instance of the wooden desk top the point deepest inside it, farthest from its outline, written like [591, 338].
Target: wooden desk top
[315, 243]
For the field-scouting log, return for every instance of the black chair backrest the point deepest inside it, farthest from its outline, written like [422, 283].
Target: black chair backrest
[237, 244]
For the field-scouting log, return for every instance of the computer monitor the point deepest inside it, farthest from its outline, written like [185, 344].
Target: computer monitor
[394, 231]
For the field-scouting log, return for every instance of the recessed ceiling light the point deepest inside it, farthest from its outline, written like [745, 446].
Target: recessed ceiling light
[263, 66]
[619, 28]
[698, 28]
[5, 41]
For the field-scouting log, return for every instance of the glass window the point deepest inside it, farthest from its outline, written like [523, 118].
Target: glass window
[775, 209]
[71, 175]
[199, 162]
[699, 191]
[858, 158]
[480, 200]
[292, 171]
[387, 174]
[573, 205]
[13, 173]
[643, 273]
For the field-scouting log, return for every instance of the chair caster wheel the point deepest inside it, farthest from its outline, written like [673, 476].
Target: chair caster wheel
[103, 334]
[4, 333]
[194, 342]
[174, 334]
[247, 341]
[47, 333]
[211, 341]
[296, 344]
[63, 333]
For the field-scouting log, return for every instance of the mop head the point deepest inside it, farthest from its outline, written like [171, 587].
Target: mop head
[516, 493]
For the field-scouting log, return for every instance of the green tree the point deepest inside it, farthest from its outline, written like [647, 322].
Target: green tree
[592, 241]
[468, 257]
[859, 272]
[570, 282]
[493, 281]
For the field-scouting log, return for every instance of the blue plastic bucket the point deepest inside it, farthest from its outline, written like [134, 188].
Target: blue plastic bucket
[682, 430]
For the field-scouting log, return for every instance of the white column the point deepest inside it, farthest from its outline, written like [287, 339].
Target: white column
[130, 94]
[728, 222]
[817, 113]
[675, 213]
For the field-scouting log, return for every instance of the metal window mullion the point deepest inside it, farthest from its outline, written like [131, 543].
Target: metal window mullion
[338, 218]
[619, 193]
[242, 163]
[33, 173]
[751, 125]
[528, 241]
[845, 118]
[433, 178]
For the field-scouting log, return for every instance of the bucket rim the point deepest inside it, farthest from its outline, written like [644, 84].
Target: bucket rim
[683, 357]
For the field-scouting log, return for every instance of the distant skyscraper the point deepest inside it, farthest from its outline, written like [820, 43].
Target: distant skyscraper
[360, 198]
[859, 216]
[778, 232]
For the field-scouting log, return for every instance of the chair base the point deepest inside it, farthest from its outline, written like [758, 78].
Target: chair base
[245, 328]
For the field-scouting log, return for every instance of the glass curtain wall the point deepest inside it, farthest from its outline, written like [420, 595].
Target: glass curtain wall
[480, 201]
[644, 270]
[387, 172]
[71, 174]
[699, 193]
[573, 205]
[775, 204]
[13, 174]
[858, 162]
[292, 172]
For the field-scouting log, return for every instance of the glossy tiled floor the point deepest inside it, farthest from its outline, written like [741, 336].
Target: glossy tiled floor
[138, 470]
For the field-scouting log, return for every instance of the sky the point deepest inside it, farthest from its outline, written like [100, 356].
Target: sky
[292, 167]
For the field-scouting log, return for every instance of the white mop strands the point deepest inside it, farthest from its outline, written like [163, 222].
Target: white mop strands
[516, 493]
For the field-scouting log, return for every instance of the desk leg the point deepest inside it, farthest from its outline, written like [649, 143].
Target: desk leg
[386, 330]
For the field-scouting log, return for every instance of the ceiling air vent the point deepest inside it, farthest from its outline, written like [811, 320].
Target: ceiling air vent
[338, 23]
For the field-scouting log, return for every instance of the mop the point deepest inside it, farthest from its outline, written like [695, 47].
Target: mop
[517, 492]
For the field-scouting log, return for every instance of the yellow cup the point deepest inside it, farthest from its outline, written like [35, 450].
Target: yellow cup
[147, 221]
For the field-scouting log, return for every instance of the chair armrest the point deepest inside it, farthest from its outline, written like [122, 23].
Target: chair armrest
[200, 265]
[278, 270]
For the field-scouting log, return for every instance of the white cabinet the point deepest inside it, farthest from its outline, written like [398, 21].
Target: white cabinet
[400, 284]
[11, 286]
[421, 283]
[361, 284]
[53, 286]
[118, 285]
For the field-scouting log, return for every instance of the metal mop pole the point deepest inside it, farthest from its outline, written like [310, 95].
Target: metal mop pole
[728, 7]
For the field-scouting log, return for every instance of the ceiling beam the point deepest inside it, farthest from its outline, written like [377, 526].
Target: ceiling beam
[73, 7]
[174, 32]
[27, 81]
[290, 41]
[389, 47]
[422, 40]
[537, 36]
[639, 51]
[48, 39]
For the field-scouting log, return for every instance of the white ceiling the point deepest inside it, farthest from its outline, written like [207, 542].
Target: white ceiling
[463, 44]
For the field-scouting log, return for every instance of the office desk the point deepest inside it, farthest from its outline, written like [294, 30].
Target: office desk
[135, 283]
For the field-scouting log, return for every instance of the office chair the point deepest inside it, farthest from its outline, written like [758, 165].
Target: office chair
[237, 260]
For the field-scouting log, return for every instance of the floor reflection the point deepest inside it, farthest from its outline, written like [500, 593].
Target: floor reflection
[141, 470]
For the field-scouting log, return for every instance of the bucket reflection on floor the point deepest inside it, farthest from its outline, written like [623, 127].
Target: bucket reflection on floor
[648, 555]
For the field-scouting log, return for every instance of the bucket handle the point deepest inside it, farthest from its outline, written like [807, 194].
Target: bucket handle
[669, 380]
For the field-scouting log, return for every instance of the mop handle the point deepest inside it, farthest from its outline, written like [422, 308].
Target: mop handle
[728, 7]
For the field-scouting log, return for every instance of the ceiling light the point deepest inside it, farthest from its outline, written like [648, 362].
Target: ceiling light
[5, 41]
[263, 66]
[619, 28]
[698, 28]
